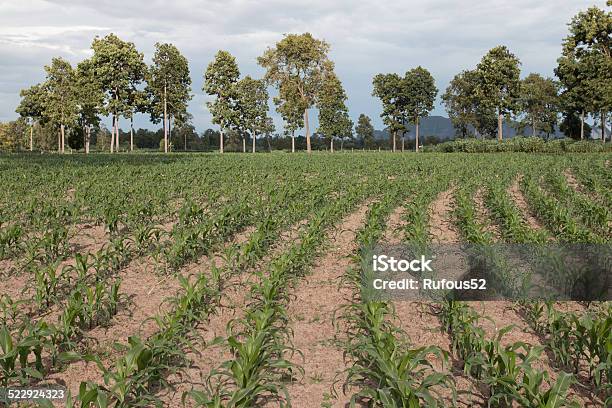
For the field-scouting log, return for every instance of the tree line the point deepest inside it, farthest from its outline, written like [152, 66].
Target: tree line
[115, 82]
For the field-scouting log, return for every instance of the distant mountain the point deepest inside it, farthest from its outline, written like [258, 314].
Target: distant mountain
[442, 128]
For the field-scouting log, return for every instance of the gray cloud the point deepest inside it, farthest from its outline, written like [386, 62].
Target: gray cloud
[367, 37]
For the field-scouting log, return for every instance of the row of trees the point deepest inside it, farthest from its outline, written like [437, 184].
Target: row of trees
[114, 82]
[405, 100]
[298, 66]
[477, 99]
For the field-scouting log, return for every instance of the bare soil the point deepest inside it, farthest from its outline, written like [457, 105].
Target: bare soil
[317, 297]
[441, 227]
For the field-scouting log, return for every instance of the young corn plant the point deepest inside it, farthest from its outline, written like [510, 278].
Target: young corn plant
[387, 372]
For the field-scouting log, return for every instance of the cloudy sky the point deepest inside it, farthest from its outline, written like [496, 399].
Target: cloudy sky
[366, 37]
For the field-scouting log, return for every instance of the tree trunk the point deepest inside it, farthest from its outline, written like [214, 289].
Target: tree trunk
[165, 121]
[603, 126]
[393, 141]
[500, 134]
[582, 125]
[293, 141]
[341, 145]
[32, 138]
[63, 136]
[307, 129]
[331, 145]
[131, 133]
[169, 132]
[416, 135]
[221, 141]
[243, 144]
[87, 139]
[59, 141]
[117, 134]
[402, 144]
[112, 141]
[185, 141]
[253, 142]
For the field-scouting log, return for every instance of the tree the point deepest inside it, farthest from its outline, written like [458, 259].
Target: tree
[219, 79]
[539, 101]
[138, 101]
[120, 69]
[12, 135]
[32, 107]
[460, 101]
[334, 120]
[498, 83]
[60, 102]
[365, 131]
[252, 105]
[90, 98]
[291, 107]
[168, 86]
[388, 88]
[574, 94]
[574, 126]
[589, 47]
[185, 135]
[420, 93]
[267, 130]
[301, 61]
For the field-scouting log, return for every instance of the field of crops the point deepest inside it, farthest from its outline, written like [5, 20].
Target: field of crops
[233, 280]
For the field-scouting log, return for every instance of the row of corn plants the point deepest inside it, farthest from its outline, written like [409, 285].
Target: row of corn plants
[260, 342]
[508, 371]
[127, 385]
[385, 369]
[593, 215]
[571, 337]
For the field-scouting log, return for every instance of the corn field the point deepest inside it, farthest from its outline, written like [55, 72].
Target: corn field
[235, 280]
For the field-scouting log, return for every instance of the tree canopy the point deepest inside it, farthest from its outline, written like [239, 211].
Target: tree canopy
[298, 64]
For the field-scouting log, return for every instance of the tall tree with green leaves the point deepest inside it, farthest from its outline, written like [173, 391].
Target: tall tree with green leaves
[120, 69]
[302, 61]
[589, 46]
[464, 108]
[574, 88]
[90, 99]
[389, 89]
[499, 83]
[539, 102]
[32, 108]
[60, 102]
[252, 104]
[365, 131]
[220, 79]
[168, 87]
[12, 135]
[290, 106]
[460, 101]
[334, 119]
[420, 94]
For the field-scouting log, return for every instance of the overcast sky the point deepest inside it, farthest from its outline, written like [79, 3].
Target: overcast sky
[366, 37]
